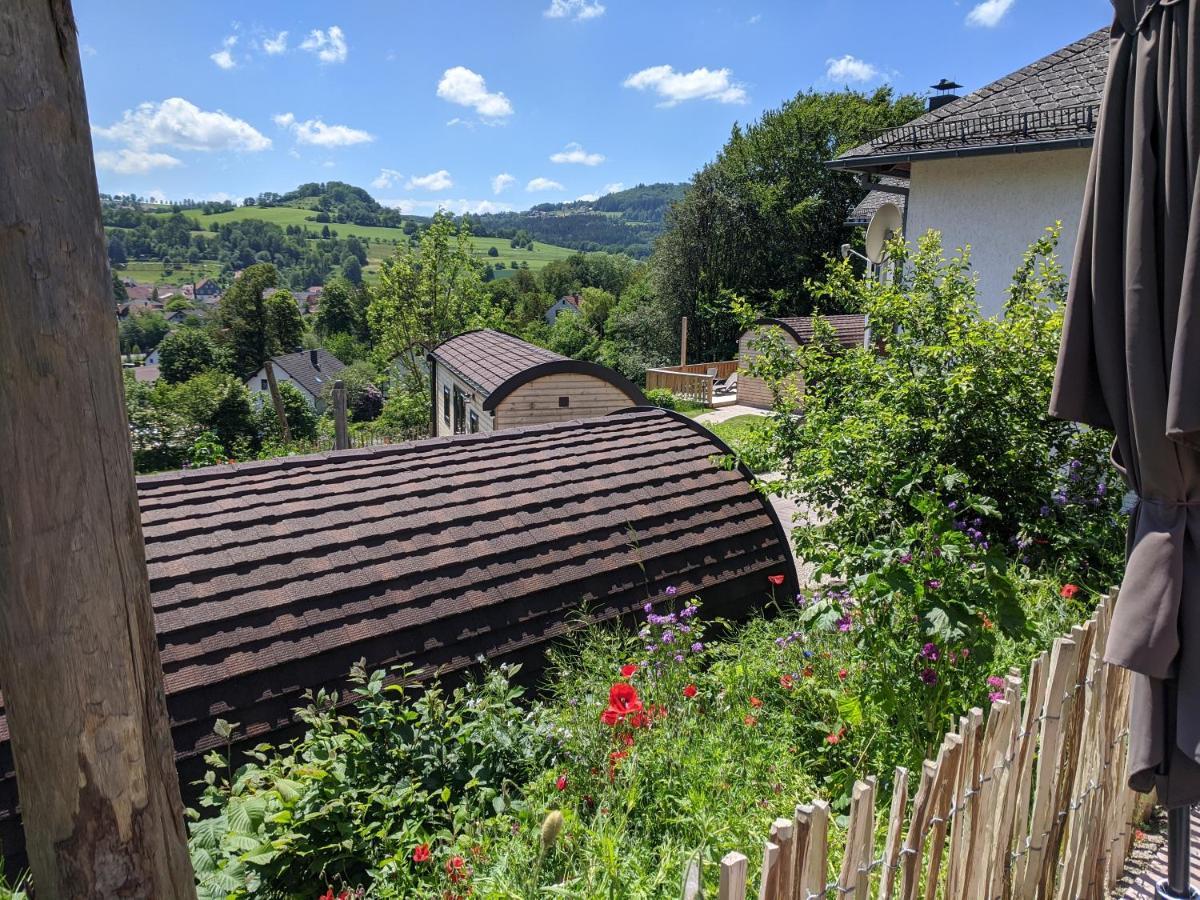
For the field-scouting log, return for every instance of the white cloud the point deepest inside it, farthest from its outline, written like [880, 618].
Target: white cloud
[574, 153]
[612, 188]
[330, 46]
[989, 13]
[276, 45]
[574, 9]
[502, 182]
[386, 178]
[458, 207]
[850, 68]
[134, 162]
[157, 195]
[178, 123]
[587, 198]
[434, 181]
[224, 57]
[466, 88]
[699, 84]
[317, 133]
[88, 49]
[754, 19]
[544, 184]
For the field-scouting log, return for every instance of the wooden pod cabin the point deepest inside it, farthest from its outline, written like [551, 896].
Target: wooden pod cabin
[487, 381]
[272, 578]
[851, 331]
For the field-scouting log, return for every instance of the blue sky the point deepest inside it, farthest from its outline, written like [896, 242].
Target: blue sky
[482, 105]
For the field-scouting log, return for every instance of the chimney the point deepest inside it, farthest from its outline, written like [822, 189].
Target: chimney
[312, 358]
[945, 94]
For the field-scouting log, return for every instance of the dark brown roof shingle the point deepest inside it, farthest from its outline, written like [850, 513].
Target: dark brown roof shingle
[270, 578]
[851, 329]
[488, 358]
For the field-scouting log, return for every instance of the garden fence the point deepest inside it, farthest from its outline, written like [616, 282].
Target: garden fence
[1031, 805]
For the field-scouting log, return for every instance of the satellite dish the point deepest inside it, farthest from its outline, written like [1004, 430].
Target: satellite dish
[885, 225]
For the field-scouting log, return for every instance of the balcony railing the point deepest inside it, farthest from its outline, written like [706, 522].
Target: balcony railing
[693, 382]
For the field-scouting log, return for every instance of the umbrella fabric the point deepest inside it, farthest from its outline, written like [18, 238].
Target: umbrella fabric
[1130, 363]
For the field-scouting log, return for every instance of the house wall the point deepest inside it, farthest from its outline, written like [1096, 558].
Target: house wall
[536, 403]
[258, 395]
[999, 205]
[754, 391]
[445, 377]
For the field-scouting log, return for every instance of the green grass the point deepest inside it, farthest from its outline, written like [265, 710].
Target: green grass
[748, 436]
[153, 272]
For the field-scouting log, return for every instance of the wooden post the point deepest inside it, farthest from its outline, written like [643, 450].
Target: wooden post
[79, 659]
[683, 342]
[341, 436]
[733, 877]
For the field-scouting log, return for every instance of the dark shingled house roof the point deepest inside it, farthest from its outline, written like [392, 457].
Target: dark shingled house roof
[862, 214]
[311, 369]
[269, 578]
[851, 329]
[496, 364]
[1052, 103]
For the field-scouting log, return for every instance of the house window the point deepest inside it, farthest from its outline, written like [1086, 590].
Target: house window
[262, 384]
[446, 403]
[564, 402]
[473, 420]
[460, 411]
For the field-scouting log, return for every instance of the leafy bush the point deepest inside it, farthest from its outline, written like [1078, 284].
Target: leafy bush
[662, 398]
[301, 418]
[354, 800]
[185, 353]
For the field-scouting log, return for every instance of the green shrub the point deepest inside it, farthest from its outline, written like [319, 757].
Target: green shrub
[662, 398]
[301, 418]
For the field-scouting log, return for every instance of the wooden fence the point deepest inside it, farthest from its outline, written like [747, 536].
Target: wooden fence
[692, 382]
[1032, 804]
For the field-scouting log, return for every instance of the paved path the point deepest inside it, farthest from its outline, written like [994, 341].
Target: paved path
[725, 413]
[1147, 865]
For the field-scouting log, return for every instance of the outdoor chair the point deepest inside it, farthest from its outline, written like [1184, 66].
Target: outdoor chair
[728, 386]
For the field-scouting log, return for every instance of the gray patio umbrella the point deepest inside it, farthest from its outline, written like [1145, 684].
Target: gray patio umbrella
[1130, 363]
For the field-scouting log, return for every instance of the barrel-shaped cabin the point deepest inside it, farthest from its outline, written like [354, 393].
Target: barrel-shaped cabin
[272, 578]
[851, 331]
[488, 380]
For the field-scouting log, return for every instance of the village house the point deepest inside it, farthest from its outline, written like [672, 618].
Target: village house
[309, 371]
[851, 331]
[570, 303]
[272, 578]
[487, 380]
[995, 168]
[207, 290]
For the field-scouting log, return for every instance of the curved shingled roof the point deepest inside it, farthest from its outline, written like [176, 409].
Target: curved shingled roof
[496, 364]
[269, 578]
[851, 329]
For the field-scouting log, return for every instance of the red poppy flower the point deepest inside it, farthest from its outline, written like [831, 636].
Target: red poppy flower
[328, 895]
[750, 720]
[843, 674]
[613, 759]
[808, 672]
[628, 671]
[834, 737]
[456, 862]
[639, 719]
[755, 702]
[561, 782]
[623, 701]
[689, 691]
[786, 682]
[420, 853]
[1069, 590]
[627, 739]
[776, 580]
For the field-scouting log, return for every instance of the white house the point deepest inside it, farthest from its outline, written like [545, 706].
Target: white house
[569, 302]
[307, 370]
[995, 168]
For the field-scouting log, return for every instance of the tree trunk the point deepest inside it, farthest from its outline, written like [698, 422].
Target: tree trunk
[277, 402]
[79, 661]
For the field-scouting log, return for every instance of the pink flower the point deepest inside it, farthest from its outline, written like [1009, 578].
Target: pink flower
[561, 782]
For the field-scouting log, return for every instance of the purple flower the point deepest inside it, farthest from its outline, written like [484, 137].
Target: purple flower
[1076, 464]
[953, 504]
[906, 559]
[1101, 489]
[995, 681]
[678, 657]
[996, 696]
[933, 584]
[697, 647]
[668, 637]
[1045, 512]
[649, 608]
[671, 590]
[931, 651]
[844, 623]
[929, 676]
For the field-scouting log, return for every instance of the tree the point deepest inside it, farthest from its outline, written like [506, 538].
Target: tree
[596, 305]
[761, 218]
[572, 336]
[640, 334]
[215, 402]
[364, 400]
[424, 297]
[185, 353]
[492, 251]
[79, 659]
[301, 418]
[143, 329]
[120, 295]
[351, 269]
[340, 311]
[257, 329]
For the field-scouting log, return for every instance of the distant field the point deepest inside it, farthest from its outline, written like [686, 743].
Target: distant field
[153, 272]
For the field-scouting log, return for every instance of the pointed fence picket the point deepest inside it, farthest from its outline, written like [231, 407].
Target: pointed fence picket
[1026, 803]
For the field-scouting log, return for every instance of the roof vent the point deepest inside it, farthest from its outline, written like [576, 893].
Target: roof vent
[946, 93]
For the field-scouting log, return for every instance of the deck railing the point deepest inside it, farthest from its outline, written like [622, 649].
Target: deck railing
[1032, 804]
[691, 382]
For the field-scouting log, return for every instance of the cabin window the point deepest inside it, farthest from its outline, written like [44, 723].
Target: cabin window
[262, 384]
[473, 420]
[446, 403]
[564, 402]
[460, 411]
